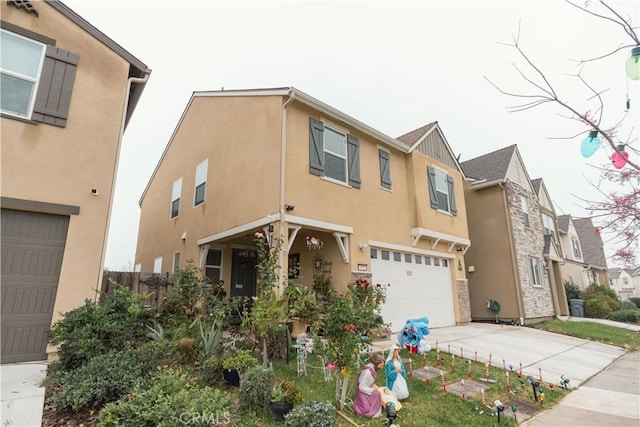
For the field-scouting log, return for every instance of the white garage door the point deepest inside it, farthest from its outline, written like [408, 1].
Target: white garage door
[420, 286]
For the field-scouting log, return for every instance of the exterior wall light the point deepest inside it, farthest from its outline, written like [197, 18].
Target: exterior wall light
[633, 64]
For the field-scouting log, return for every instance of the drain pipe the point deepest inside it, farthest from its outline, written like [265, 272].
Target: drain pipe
[513, 254]
[130, 81]
[283, 156]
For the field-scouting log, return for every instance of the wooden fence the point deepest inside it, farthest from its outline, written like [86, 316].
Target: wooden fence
[156, 284]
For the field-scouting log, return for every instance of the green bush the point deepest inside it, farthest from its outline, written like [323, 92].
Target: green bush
[117, 323]
[629, 316]
[172, 399]
[572, 290]
[600, 301]
[627, 305]
[195, 295]
[312, 414]
[255, 389]
[635, 300]
[106, 377]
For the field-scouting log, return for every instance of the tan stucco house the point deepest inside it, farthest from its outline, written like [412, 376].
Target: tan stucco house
[345, 199]
[68, 92]
[584, 259]
[514, 259]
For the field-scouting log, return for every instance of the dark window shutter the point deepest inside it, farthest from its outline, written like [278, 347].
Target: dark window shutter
[55, 87]
[433, 195]
[316, 147]
[353, 157]
[452, 196]
[385, 172]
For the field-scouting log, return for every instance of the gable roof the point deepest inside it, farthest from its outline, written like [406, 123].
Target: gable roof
[550, 249]
[591, 243]
[563, 223]
[490, 167]
[536, 184]
[412, 137]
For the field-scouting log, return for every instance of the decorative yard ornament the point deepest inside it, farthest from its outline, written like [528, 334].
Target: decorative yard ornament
[313, 242]
[619, 158]
[633, 64]
[590, 144]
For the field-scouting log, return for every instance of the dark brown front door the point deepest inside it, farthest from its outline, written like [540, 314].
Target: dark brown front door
[243, 273]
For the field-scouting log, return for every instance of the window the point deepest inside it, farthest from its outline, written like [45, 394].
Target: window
[175, 197]
[333, 154]
[436, 262]
[176, 262]
[427, 260]
[549, 226]
[441, 191]
[36, 78]
[408, 258]
[213, 267]
[374, 253]
[201, 182]
[525, 211]
[418, 259]
[445, 263]
[385, 169]
[397, 256]
[535, 271]
[385, 255]
[157, 265]
[576, 247]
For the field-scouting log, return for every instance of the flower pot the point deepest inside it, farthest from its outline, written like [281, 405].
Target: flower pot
[231, 377]
[297, 327]
[279, 409]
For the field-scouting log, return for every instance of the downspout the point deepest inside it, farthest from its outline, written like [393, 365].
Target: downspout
[513, 254]
[130, 81]
[283, 156]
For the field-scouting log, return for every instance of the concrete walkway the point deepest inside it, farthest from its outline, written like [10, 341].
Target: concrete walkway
[22, 396]
[611, 398]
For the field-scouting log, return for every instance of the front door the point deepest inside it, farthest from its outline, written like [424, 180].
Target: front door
[243, 273]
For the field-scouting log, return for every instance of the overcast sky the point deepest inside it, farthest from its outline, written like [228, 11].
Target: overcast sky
[393, 65]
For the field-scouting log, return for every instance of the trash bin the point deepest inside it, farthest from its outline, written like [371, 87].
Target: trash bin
[576, 307]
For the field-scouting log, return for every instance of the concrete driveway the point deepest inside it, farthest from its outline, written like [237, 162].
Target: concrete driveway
[554, 354]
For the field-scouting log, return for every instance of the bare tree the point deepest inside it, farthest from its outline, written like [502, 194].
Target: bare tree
[617, 211]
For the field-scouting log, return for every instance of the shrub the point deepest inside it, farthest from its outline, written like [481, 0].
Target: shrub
[627, 305]
[572, 290]
[312, 414]
[630, 316]
[636, 301]
[255, 389]
[106, 377]
[116, 323]
[600, 301]
[171, 399]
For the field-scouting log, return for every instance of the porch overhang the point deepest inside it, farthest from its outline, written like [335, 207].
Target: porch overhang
[436, 237]
[239, 229]
[339, 232]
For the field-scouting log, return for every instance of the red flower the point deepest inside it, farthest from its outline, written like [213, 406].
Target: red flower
[378, 285]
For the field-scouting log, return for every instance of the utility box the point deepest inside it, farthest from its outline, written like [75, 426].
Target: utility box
[576, 307]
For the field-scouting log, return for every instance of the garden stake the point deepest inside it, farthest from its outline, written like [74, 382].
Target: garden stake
[438, 358]
[426, 377]
[520, 374]
[462, 383]
[484, 402]
[513, 409]
[449, 348]
[504, 366]
[469, 368]
[508, 384]
[461, 353]
[487, 371]
[453, 363]
[489, 359]
[540, 370]
[444, 386]
[410, 365]
[436, 345]
[476, 358]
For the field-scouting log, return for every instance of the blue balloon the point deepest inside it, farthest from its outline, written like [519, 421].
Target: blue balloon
[590, 144]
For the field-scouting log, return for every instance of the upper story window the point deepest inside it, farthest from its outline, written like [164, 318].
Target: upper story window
[576, 247]
[36, 78]
[201, 182]
[385, 169]
[535, 271]
[157, 265]
[549, 226]
[333, 153]
[175, 197]
[441, 191]
[525, 211]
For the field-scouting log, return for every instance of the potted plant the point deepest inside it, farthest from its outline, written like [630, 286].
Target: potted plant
[235, 366]
[302, 309]
[284, 394]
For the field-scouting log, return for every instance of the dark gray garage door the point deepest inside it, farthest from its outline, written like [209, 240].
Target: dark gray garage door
[32, 250]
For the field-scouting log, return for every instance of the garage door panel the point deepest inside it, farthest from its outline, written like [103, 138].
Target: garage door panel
[416, 290]
[32, 253]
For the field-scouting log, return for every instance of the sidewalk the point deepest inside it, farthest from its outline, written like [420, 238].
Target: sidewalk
[611, 398]
[22, 396]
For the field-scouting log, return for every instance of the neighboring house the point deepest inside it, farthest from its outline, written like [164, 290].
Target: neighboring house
[513, 259]
[584, 259]
[625, 281]
[345, 198]
[68, 92]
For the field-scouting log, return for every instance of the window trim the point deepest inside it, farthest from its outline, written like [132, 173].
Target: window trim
[176, 262]
[175, 197]
[526, 216]
[213, 266]
[202, 182]
[535, 265]
[432, 172]
[575, 244]
[548, 218]
[157, 265]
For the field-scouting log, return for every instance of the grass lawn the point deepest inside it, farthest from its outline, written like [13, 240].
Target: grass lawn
[428, 404]
[594, 332]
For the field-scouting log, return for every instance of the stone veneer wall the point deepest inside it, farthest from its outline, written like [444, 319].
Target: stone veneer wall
[529, 242]
[464, 302]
